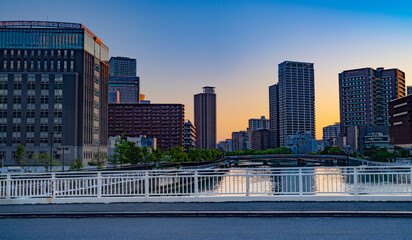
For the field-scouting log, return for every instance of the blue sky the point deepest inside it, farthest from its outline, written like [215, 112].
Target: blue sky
[236, 45]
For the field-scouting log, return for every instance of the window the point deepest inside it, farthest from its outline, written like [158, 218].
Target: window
[65, 53]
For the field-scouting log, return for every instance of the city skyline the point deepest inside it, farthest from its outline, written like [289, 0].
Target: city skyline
[236, 47]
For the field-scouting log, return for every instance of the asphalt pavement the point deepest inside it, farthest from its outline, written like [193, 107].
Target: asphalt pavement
[226, 209]
[206, 228]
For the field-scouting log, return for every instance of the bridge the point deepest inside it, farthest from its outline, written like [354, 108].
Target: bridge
[302, 159]
[363, 183]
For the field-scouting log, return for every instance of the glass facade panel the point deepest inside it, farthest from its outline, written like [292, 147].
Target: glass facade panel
[41, 38]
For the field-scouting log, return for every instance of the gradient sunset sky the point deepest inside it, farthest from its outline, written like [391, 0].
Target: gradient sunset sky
[236, 46]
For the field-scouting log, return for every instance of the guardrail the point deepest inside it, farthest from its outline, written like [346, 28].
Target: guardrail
[244, 184]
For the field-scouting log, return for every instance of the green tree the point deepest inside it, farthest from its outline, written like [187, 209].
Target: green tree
[121, 147]
[382, 155]
[98, 160]
[157, 155]
[20, 155]
[178, 154]
[194, 155]
[77, 164]
[48, 161]
[133, 153]
[335, 151]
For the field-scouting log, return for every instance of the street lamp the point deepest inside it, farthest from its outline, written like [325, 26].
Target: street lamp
[63, 148]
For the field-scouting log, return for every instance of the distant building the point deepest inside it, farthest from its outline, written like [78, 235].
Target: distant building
[296, 100]
[123, 80]
[302, 143]
[205, 118]
[53, 90]
[260, 139]
[330, 134]
[122, 66]
[400, 129]
[361, 137]
[190, 135]
[364, 95]
[409, 90]
[256, 124]
[274, 115]
[239, 140]
[141, 141]
[165, 122]
[225, 145]
[321, 145]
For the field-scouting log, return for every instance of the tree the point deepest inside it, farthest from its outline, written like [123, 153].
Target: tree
[77, 164]
[121, 147]
[178, 154]
[133, 153]
[98, 160]
[47, 161]
[20, 155]
[335, 151]
[157, 155]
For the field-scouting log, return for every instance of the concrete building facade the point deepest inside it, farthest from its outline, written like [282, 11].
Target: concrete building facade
[364, 95]
[190, 135]
[239, 140]
[256, 124]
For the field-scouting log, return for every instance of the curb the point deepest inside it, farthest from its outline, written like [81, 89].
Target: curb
[211, 214]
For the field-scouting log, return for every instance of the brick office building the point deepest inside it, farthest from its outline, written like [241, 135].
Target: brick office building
[162, 121]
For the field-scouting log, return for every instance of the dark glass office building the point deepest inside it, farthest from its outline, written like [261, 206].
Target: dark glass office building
[124, 85]
[53, 90]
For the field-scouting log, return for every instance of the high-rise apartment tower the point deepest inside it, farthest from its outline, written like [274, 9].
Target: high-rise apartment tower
[205, 118]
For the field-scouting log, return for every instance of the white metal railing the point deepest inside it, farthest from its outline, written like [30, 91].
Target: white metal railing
[349, 181]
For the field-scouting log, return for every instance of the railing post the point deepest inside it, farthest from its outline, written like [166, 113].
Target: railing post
[8, 188]
[355, 183]
[247, 182]
[146, 184]
[300, 182]
[99, 184]
[411, 181]
[53, 183]
[196, 185]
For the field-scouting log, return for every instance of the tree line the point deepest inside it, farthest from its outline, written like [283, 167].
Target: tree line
[128, 152]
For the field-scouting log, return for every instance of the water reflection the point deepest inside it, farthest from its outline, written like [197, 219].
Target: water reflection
[318, 180]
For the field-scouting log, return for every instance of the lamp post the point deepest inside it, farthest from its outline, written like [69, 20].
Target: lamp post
[63, 148]
[51, 150]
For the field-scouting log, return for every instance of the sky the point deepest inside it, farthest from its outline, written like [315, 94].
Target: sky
[237, 45]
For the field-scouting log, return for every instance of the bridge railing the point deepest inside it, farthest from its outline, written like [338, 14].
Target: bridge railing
[343, 181]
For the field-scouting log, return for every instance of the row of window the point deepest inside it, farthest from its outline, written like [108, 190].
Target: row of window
[46, 66]
[44, 53]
